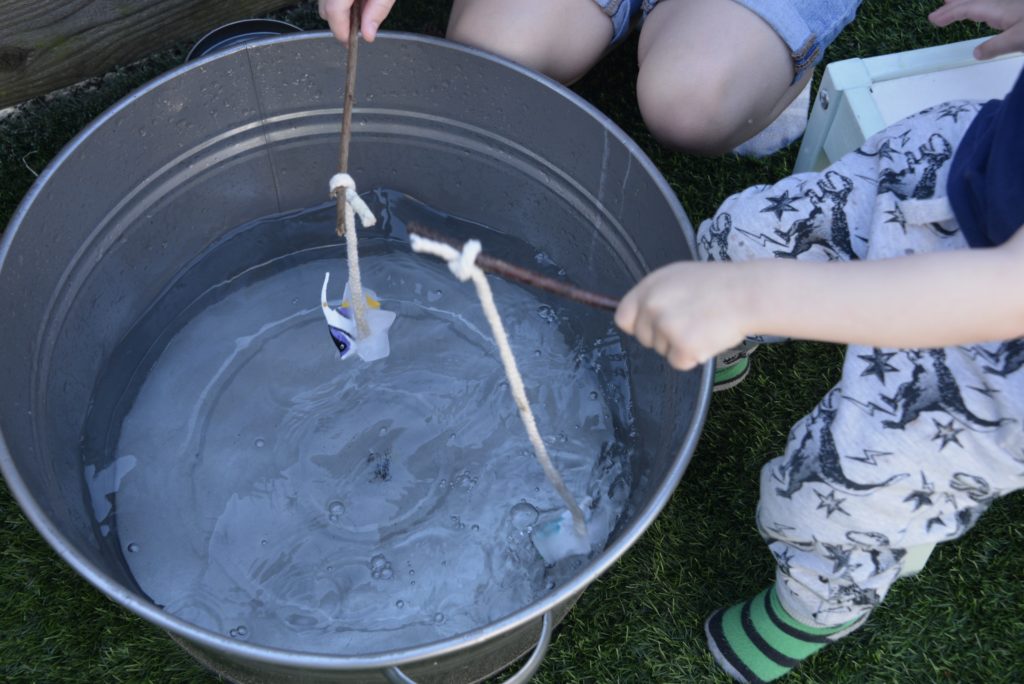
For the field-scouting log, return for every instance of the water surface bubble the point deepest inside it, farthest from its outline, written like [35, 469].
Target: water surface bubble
[133, 547]
[399, 603]
[380, 568]
[465, 480]
[523, 515]
[335, 510]
[547, 314]
[260, 443]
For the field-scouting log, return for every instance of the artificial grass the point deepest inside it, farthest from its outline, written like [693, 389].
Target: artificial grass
[961, 620]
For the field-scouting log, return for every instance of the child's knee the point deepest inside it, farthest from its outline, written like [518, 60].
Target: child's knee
[686, 114]
[475, 31]
[533, 34]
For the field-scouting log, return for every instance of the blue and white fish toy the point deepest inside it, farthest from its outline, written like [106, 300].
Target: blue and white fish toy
[342, 326]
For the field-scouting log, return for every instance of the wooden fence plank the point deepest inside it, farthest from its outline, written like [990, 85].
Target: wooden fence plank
[48, 44]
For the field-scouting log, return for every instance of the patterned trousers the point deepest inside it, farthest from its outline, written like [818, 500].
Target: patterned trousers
[912, 445]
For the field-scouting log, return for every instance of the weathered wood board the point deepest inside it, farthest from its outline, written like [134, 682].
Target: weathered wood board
[46, 44]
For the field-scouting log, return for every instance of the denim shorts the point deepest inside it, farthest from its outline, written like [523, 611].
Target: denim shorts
[806, 26]
[622, 13]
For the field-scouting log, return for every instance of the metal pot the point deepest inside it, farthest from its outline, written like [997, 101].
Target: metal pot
[252, 131]
[237, 33]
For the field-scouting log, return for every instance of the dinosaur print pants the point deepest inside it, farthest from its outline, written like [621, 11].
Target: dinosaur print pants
[912, 445]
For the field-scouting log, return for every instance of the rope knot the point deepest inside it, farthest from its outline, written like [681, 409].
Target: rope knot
[463, 266]
[344, 181]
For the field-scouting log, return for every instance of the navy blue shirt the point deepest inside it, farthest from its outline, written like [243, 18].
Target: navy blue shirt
[986, 179]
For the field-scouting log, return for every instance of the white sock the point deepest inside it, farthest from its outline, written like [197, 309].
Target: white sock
[784, 130]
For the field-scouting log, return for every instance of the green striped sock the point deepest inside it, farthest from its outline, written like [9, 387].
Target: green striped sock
[730, 375]
[758, 641]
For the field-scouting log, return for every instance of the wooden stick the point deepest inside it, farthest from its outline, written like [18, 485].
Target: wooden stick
[350, 86]
[346, 115]
[525, 276]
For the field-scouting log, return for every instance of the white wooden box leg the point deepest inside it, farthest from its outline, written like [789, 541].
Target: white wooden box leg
[915, 559]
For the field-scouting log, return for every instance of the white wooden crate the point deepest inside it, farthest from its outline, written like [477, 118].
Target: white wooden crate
[859, 97]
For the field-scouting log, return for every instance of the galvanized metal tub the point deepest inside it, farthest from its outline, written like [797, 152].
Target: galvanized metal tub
[253, 131]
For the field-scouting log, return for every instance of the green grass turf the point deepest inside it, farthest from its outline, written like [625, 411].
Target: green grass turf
[961, 620]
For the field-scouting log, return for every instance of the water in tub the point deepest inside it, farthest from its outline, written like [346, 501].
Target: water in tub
[261, 487]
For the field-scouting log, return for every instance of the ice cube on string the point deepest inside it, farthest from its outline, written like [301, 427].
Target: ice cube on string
[555, 536]
[342, 326]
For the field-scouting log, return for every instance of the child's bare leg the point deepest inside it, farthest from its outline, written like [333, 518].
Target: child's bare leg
[561, 39]
[712, 74]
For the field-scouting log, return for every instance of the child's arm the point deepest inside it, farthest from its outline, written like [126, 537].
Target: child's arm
[690, 311]
[336, 14]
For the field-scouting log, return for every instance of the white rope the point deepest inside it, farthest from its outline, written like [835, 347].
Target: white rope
[463, 266]
[354, 204]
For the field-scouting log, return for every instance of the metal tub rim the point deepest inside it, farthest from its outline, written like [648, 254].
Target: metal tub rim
[532, 613]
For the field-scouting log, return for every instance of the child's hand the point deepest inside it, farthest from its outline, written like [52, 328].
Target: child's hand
[687, 311]
[1003, 15]
[336, 14]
